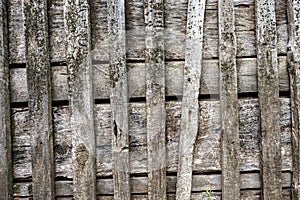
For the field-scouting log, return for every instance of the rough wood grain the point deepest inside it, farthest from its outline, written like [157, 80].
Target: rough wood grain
[175, 26]
[79, 62]
[249, 181]
[268, 92]
[39, 98]
[6, 172]
[190, 105]
[119, 99]
[155, 98]
[293, 62]
[246, 69]
[230, 141]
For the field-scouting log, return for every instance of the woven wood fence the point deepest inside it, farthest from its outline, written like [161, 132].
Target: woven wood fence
[173, 99]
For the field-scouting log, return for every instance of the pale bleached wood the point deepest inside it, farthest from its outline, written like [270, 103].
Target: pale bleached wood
[293, 62]
[119, 99]
[6, 173]
[39, 98]
[268, 92]
[190, 105]
[230, 141]
[155, 98]
[79, 62]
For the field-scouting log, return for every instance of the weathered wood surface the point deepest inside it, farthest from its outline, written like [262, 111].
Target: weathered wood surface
[249, 181]
[39, 101]
[294, 62]
[119, 99]
[246, 70]
[230, 141]
[6, 172]
[190, 105]
[268, 93]
[175, 26]
[79, 62]
[155, 98]
[207, 146]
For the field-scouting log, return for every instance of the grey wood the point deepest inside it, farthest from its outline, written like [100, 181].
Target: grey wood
[268, 92]
[6, 172]
[39, 98]
[119, 99]
[293, 62]
[79, 62]
[190, 105]
[230, 141]
[155, 98]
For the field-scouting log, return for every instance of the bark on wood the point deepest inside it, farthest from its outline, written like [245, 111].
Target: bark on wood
[268, 91]
[155, 98]
[78, 40]
[294, 62]
[39, 101]
[230, 142]
[6, 172]
[190, 105]
[119, 99]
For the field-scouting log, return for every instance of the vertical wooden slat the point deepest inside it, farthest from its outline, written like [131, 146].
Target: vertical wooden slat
[230, 142]
[293, 59]
[79, 62]
[190, 105]
[155, 98]
[5, 131]
[119, 99]
[268, 93]
[39, 98]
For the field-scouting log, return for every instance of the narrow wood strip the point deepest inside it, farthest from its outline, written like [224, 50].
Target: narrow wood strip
[6, 173]
[155, 98]
[39, 98]
[190, 105]
[230, 141]
[268, 92]
[79, 62]
[293, 60]
[119, 99]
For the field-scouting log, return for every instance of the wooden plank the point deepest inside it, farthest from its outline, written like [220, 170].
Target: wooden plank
[249, 181]
[268, 92]
[6, 172]
[119, 99]
[246, 69]
[39, 98]
[175, 26]
[230, 142]
[79, 62]
[155, 98]
[293, 62]
[190, 105]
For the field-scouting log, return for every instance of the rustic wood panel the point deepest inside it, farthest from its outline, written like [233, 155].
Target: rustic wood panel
[175, 26]
[207, 146]
[190, 104]
[268, 92]
[79, 62]
[155, 98]
[6, 172]
[39, 101]
[119, 99]
[139, 186]
[293, 62]
[246, 69]
[230, 141]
